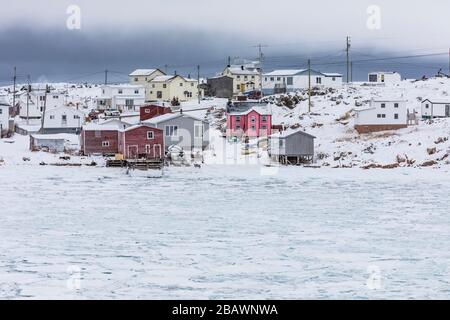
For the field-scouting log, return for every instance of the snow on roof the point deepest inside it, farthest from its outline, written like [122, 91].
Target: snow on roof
[262, 111]
[64, 108]
[385, 72]
[169, 116]
[142, 72]
[436, 101]
[288, 133]
[331, 74]
[3, 101]
[124, 85]
[239, 71]
[57, 136]
[138, 126]
[163, 78]
[101, 127]
[290, 72]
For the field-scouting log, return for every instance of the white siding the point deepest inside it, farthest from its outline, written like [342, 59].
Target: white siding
[374, 115]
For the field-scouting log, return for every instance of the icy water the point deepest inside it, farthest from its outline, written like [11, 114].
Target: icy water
[224, 232]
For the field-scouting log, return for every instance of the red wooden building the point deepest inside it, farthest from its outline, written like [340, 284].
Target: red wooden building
[141, 141]
[101, 139]
[151, 111]
[255, 122]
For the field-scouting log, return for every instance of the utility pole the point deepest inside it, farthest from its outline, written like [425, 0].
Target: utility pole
[14, 88]
[261, 59]
[229, 61]
[309, 85]
[106, 77]
[28, 99]
[449, 62]
[347, 50]
[165, 68]
[198, 83]
[45, 107]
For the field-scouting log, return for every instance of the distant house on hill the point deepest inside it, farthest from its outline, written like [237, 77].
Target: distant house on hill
[4, 117]
[33, 106]
[245, 78]
[384, 77]
[435, 109]
[382, 115]
[221, 86]
[282, 81]
[142, 77]
[255, 122]
[169, 87]
[123, 98]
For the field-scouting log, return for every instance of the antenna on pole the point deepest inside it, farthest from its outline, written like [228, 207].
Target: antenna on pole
[261, 60]
[198, 83]
[309, 85]
[165, 68]
[14, 88]
[347, 50]
[106, 77]
[28, 99]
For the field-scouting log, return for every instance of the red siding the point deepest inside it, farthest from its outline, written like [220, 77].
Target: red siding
[134, 143]
[256, 128]
[151, 111]
[92, 142]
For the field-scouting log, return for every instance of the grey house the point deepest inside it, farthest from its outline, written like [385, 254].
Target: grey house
[291, 147]
[182, 129]
[221, 87]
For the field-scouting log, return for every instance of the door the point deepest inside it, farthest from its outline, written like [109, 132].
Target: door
[447, 110]
[157, 152]
[133, 152]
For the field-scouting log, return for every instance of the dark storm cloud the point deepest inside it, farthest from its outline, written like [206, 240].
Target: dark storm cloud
[58, 54]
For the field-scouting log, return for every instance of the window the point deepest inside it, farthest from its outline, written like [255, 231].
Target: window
[238, 77]
[105, 143]
[238, 118]
[198, 131]
[278, 79]
[120, 91]
[171, 131]
[265, 79]
[159, 94]
[181, 84]
[272, 79]
[253, 128]
[378, 115]
[238, 127]
[238, 87]
[42, 109]
[373, 78]
[164, 85]
[42, 98]
[147, 111]
[333, 79]
[318, 80]
[192, 84]
[281, 142]
[264, 127]
[52, 117]
[290, 81]
[64, 117]
[396, 116]
[253, 77]
[395, 105]
[98, 134]
[245, 78]
[383, 115]
[147, 148]
[136, 79]
[153, 85]
[150, 135]
[383, 105]
[264, 118]
[76, 116]
[136, 91]
[253, 119]
[55, 97]
[427, 106]
[1, 111]
[129, 103]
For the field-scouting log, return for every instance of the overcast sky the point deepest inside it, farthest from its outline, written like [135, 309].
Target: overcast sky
[182, 33]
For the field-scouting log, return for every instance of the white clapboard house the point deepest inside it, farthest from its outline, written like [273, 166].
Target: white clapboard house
[381, 115]
[435, 109]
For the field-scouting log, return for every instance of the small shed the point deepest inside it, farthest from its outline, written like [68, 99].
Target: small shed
[47, 142]
[291, 147]
[141, 142]
[151, 111]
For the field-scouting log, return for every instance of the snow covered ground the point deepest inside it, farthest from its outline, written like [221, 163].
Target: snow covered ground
[224, 232]
[235, 228]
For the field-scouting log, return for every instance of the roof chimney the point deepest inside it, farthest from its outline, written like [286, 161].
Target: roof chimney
[242, 67]
[181, 111]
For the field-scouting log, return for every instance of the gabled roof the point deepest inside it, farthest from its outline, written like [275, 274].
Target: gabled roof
[168, 78]
[260, 110]
[436, 101]
[240, 71]
[289, 133]
[169, 116]
[288, 72]
[136, 126]
[64, 108]
[143, 72]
